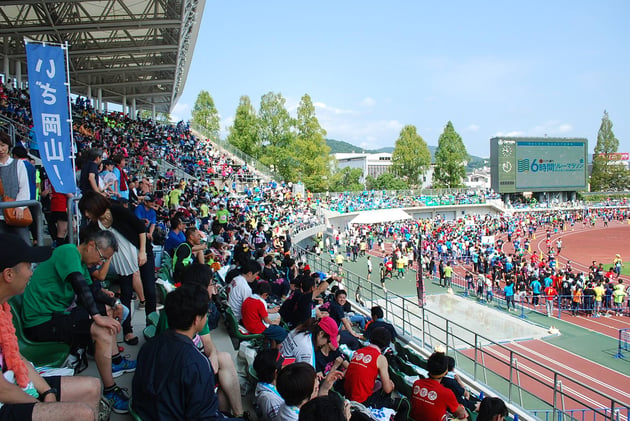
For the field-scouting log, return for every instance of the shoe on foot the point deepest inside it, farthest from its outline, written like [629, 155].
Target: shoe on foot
[125, 366]
[132, 340]
[118, 399]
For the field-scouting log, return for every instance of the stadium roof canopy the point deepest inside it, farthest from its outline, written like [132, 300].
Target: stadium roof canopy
[132, 49]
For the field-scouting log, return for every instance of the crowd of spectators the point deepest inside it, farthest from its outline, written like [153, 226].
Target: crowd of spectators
[495, 255]
[372, 200]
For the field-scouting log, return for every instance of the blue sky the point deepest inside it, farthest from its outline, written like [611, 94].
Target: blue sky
[492, 68]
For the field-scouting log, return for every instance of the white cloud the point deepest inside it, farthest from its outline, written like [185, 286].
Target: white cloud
[513, 133]
[180, 112]
[473, 128]
[549, 128]
[333, 110]
[368, 134]
[563, 128]
[224, 125]
[368, 102]
[552, 127]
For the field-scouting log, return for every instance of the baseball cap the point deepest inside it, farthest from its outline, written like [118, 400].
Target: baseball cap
[14, 250]
[329, 326]
[149, 198]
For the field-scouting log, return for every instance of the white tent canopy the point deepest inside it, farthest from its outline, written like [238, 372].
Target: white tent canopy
[380, 215]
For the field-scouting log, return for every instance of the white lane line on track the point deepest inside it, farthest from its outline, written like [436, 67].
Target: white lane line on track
[568, 390]
[573, 370]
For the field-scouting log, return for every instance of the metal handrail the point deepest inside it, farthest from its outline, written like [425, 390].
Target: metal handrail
[38, 216]
[71, 205]
[13, 125]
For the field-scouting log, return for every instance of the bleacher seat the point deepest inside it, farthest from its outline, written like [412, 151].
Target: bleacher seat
[238, 333]
[410, 356]
[149, 332]
[153, 318]
[404, 388]
[52, 354]
[166, 268]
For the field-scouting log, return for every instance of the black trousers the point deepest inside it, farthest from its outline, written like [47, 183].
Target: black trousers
[147, 275]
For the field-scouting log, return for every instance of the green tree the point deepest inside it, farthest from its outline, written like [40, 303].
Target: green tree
[243, 134]
[411, 156]
[164, 118]
[450, 159]
[276, 135]
[205, 114]
[385, 181]
[606, 175]
[347, 179]
[311, 151]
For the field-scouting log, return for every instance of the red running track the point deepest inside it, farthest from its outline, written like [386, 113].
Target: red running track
[540, 380]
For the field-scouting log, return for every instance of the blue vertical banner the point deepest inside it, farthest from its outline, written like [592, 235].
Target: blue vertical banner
[48, 88]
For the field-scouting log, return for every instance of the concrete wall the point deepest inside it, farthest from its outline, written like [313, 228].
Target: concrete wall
[447, 212]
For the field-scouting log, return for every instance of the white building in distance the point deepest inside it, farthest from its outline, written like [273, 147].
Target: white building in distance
[374, 164]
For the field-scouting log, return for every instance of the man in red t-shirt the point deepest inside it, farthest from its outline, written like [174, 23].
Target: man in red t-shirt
[550, 296]
[366, 365]
[430, 400]
[256, 317]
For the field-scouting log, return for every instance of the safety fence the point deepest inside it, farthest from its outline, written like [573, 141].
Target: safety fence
[622, 345]
[525, 303]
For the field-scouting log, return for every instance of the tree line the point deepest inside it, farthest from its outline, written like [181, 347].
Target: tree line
[296, 149]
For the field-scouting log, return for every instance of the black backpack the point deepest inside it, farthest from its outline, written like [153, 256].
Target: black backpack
[289, 307]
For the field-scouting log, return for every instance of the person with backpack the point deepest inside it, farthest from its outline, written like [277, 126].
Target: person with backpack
[187, 252]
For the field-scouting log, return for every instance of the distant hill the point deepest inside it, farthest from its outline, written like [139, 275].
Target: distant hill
[339, 146]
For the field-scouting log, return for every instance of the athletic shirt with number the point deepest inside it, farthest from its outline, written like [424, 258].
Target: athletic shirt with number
[361, 374]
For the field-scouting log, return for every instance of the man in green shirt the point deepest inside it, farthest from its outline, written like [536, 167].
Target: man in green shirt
[448, 274]
[49, 313]
[223, 215]
[28, 396]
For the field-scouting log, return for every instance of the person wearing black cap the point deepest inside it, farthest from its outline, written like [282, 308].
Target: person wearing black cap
[431, 400]
[29, 396]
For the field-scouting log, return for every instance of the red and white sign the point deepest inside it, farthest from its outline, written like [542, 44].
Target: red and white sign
[618, 156]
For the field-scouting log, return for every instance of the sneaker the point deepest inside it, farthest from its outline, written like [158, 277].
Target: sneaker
[118, 400]
[125, 366]
[104, 410]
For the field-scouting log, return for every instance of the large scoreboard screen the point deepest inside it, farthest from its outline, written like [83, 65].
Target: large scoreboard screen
[538, 164]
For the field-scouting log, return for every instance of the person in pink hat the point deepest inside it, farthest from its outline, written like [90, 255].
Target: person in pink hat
[310, 336]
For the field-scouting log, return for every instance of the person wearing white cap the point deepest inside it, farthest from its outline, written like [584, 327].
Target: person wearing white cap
[24, 394]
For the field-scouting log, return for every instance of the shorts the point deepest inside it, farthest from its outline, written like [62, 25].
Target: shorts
[58, 216]
[73, 329]
[24, 411]
[17, 412]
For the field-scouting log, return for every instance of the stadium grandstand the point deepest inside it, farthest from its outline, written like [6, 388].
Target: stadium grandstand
[304, 290]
